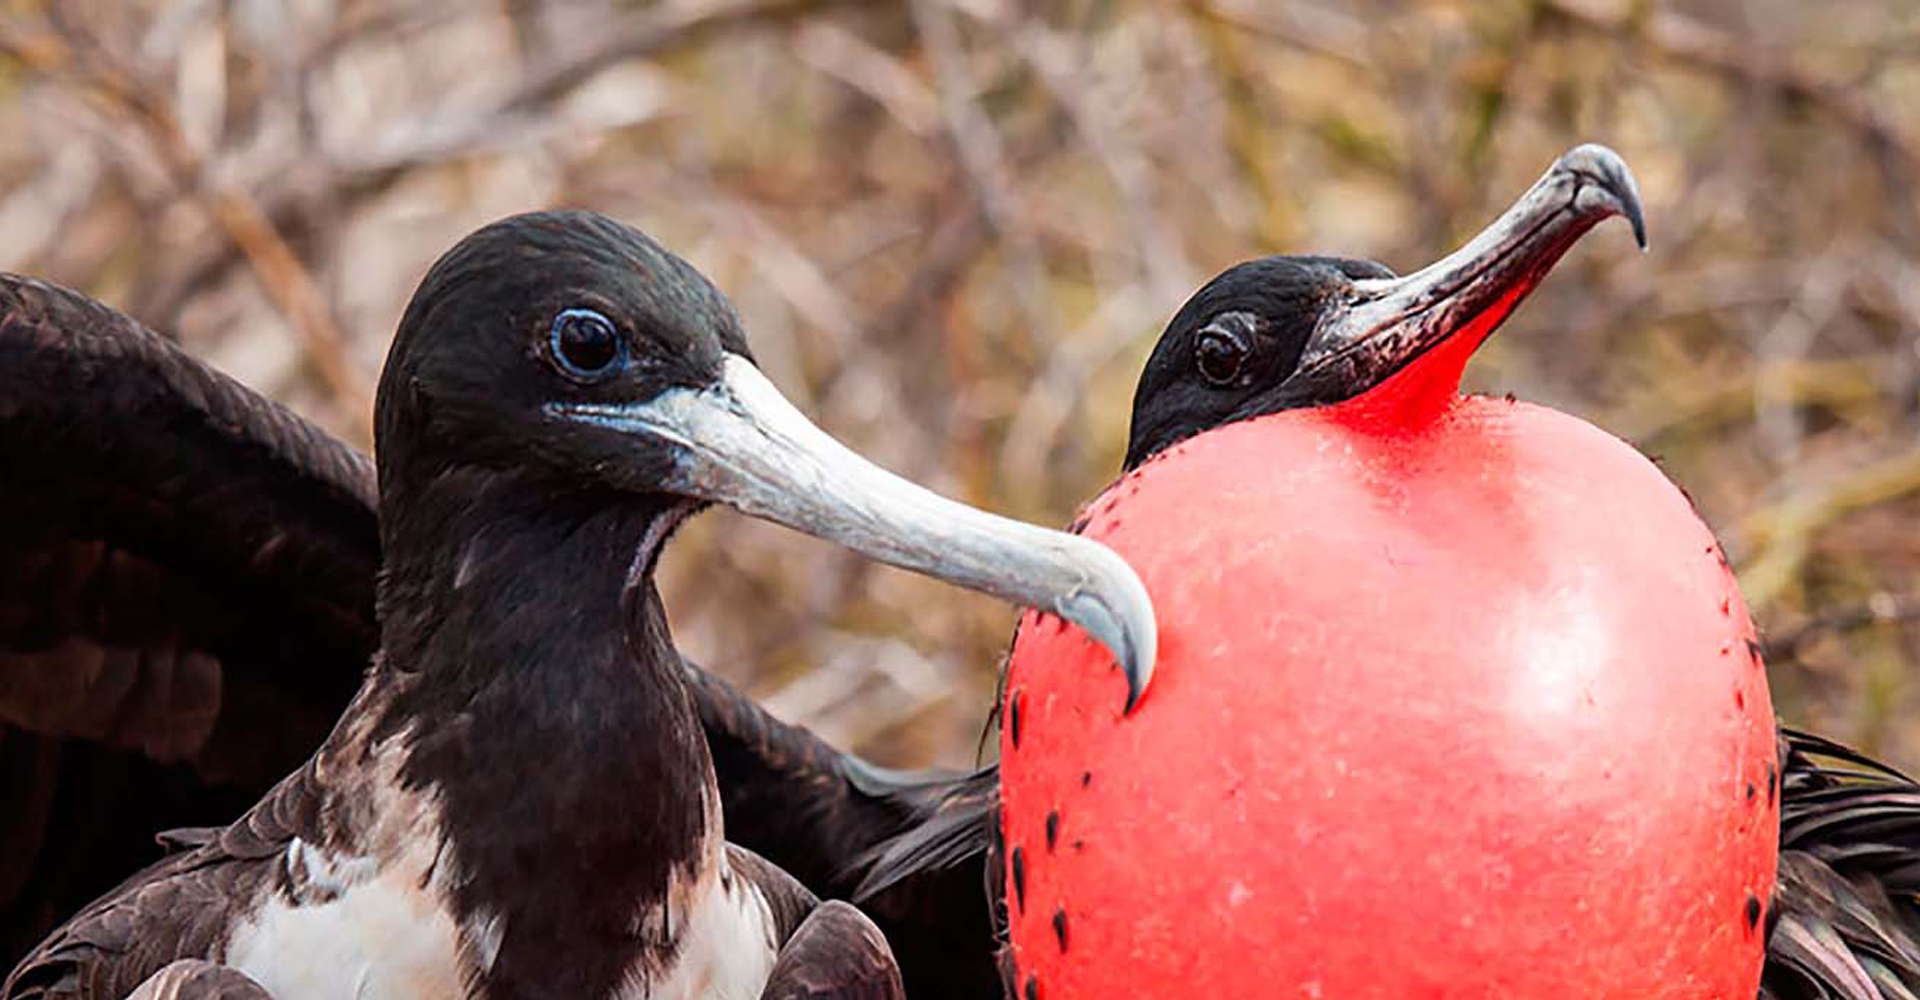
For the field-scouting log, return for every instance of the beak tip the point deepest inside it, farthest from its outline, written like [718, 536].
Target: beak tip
[1139, 674]
[1614, 181]
[1118, 614]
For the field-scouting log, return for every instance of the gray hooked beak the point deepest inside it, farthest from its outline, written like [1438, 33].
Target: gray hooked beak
[739, 442]
[1389, 322]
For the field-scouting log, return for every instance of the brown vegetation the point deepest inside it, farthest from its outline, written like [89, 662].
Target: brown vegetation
[955, 227]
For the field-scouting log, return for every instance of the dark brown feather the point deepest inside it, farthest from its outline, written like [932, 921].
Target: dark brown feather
[825, 816]
[186, 604]
[837, 954]
[190, 979]
[1844, 922]
[181, 907]
[186, 597]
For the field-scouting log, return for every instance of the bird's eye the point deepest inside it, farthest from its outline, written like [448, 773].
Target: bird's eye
[1219, 354]
[585, 345]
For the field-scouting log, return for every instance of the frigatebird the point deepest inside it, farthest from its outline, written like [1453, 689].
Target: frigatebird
[1264, 337]
[187, 606]
[517, 801]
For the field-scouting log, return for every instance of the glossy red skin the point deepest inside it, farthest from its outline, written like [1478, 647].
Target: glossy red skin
[1465, 704]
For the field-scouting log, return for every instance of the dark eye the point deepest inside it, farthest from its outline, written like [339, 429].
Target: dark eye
[1219, 353]
[585, 345]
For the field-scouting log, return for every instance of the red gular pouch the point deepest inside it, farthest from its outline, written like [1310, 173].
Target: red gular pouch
[1455, 696]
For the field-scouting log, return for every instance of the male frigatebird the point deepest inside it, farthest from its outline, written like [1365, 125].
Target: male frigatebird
[1291, 333]
[518, 801]
[184, 527]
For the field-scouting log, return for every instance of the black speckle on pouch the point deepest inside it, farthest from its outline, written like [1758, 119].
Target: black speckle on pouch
[1773, 782]
[1086, 778]
[1079, 845]
[1014, 715]
[1053, 828]
[1060, 929]
[1755, 651]
[1753, 911]
[1019, 878]
[1033, 988]
[1751, 791]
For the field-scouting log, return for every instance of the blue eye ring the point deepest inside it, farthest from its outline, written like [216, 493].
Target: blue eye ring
[585, 345]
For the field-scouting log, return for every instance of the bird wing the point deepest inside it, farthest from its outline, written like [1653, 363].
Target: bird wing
[181, 907]
[1845, 917]
[186, 606]
[954, 822]
[186, 597]
[936, 885]
[837, 954]
[189, 979]
[827, 817]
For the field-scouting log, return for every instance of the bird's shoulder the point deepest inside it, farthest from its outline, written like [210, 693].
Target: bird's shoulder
[183, 906]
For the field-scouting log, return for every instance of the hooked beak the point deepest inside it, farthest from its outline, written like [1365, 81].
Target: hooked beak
[1390, 322]
[739, 442]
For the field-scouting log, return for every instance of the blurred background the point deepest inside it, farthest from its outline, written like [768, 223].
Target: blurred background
[955, 227]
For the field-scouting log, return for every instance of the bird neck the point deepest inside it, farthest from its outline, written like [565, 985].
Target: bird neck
[1416, 397]
[540, 697]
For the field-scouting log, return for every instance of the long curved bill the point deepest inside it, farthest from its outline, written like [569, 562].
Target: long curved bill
[739, 442]
[1388, 322]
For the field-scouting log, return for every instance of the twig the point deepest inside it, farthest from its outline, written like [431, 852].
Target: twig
[1881, 609]
[1684, 39]
[278, 268]
[1781, 533]
[977, 144]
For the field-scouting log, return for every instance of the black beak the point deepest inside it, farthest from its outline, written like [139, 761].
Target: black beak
[1386, 323]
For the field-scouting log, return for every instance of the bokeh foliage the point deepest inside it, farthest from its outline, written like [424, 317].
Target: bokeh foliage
[955, 227]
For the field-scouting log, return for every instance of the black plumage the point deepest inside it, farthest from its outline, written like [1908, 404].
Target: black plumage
[518, 800]
[186, 534]
[186, 597]
[1844, 918]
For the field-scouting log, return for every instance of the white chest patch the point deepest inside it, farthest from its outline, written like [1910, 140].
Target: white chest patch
[382, 936]
[376, 923]
[367, 927]
[727, 951]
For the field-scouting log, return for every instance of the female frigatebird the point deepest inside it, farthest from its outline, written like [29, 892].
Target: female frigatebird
[187, 605]
[518, 801]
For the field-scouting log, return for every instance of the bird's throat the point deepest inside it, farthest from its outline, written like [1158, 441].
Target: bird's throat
[1427, 388]
[548, 713]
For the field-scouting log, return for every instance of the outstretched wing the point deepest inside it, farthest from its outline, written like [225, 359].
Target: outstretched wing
[1845, 917]
[186, 597]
